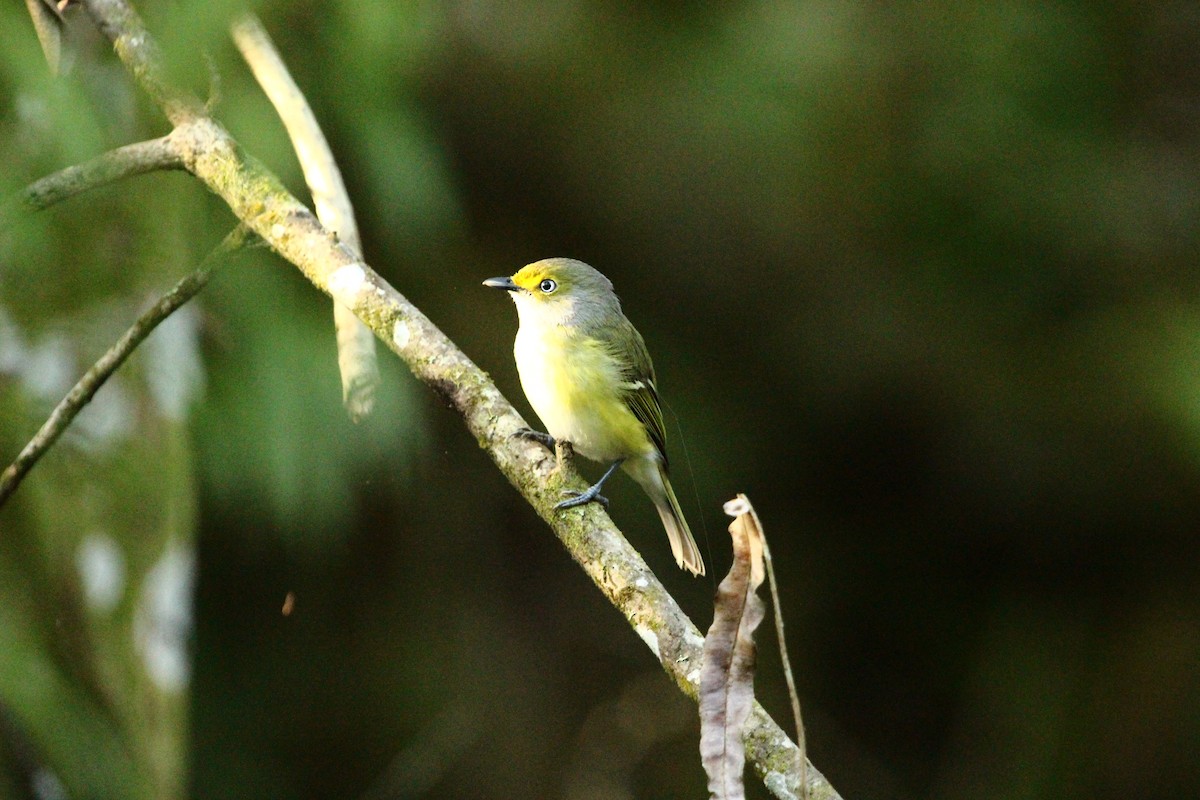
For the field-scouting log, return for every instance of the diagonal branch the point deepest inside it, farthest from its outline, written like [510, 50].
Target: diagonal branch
[259, 200]
[83, 391]
[124, 162]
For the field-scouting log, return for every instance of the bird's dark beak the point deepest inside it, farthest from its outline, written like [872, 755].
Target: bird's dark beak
[502, 283]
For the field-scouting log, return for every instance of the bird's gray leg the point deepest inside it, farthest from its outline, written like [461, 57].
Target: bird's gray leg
[591, 493]
[544, 439]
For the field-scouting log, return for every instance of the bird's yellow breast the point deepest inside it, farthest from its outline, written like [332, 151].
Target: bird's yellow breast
[576, 387]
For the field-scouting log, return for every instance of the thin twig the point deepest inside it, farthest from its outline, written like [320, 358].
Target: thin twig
[124, 162]
[801, 754]
[331, 201]
[47, 21]
[83, 391]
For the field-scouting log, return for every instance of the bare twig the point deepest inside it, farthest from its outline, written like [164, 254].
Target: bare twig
[83, 391]
[47, 21]
[124, 162]
[259, 200]
[331, 201]
[802, 757]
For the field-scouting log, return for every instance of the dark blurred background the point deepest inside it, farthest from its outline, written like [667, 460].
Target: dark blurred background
[920, 279]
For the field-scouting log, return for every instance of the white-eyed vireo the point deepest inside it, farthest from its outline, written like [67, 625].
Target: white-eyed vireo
[586, 372]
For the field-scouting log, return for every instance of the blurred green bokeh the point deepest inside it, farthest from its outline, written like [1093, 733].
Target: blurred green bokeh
[920, 279]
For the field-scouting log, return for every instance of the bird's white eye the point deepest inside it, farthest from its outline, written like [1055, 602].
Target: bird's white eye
[548, 285]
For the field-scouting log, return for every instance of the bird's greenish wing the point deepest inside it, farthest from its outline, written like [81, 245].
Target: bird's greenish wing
[641, 393]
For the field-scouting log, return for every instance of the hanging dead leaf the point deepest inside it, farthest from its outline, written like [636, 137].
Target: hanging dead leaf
[727, 674]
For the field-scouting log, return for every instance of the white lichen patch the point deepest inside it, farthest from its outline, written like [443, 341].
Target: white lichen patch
[163, 619]
[278, 230]
[649, 637]
[47, 786]
[12, 344]
[694, 677]
[101, 567]
[400, 334]
[48, 368]
[110, 418]
[641, 583]
[777, 784]
[33, 113]
[175, 373]
[346, 283]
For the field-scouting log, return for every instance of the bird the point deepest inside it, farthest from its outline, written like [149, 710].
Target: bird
[587, 374]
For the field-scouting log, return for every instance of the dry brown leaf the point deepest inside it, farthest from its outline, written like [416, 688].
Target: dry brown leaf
[727, 674]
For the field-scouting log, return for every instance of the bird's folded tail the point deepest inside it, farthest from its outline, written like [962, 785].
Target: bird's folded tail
[683, 546]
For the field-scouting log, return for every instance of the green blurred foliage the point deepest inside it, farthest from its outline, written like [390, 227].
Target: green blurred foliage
[920, 279]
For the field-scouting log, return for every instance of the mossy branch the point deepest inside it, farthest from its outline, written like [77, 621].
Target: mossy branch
[259, 200]
[124, 162]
